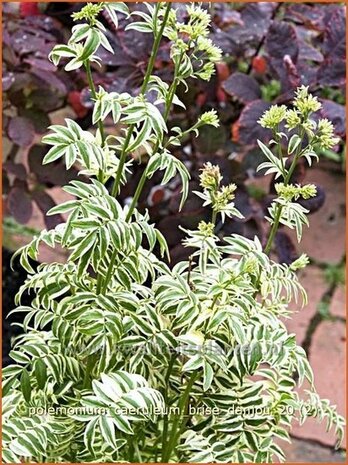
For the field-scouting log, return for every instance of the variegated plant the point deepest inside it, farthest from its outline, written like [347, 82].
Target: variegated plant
[124, 359]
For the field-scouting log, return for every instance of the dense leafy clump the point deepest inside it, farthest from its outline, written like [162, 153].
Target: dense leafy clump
[122, 358]
[254, 72]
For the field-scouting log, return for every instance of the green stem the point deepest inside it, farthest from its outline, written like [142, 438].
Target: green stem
[100, 123]
[156, 44]
[142, 181]
[137, 453]
[130, 449]
[213, 217]
[280, 152]
[89, 367]
[278, 214]
[109, 271]
[99, 283]
[116, 185]
[166, 396]
[176, 427]
[137, 194]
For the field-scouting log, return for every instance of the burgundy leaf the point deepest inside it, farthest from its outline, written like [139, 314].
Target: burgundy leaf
[312, 16]
[45, 203]
[285, 248]
[121, 58]
[193, 205]
[137, 45]
[17, 169]
[52, 174]
[41, 26]
[45, 99]
[335, 113]
[247, 130]
[85, 98]
[179, 253]
[308, 52]
[25, 42]
[20, 205]
[39, 118]
[21, 131]
[332, 72]
[308, 73]
[257, 18]
[224, 16]
[51, 79]
[335, 35]
[5, 183]
[242, 203]
[236, 40]
[22, 80]
[7, 80]
[39, 64]
[281, 40]
[118, 84]
[251, 160]
[243, 87]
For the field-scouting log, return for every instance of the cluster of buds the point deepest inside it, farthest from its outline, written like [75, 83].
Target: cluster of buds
[198, 23]
[300, 263]
[219, 197]
[324, 136]
[190, 42]
[207, 229]
[320, 133]
[273, 117]
[223, 197]
[210, 118]
[294, 192]
[305, 102]
[89, 13]
[210, 177]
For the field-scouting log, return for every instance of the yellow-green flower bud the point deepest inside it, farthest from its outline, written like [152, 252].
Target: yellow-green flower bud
[207, 229]
[210, 177]
[273, 117]
[292, 119]
[306, 103]
[293, 192]
[300, 263]
[325, 134]
[89, 12]
[209, 117]
[223, 197]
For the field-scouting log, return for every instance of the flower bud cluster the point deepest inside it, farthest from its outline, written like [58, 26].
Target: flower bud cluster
[190, 39]
[294, 192]
[320, 133]
[89, 12]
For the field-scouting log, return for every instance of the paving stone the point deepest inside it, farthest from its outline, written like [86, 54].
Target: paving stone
[309, 451]
[324, 240]
[59, 116]
[312, 279]
[338, 305]
[327, 358]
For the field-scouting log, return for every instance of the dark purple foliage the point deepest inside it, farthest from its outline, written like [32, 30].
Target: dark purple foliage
[269, 49]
